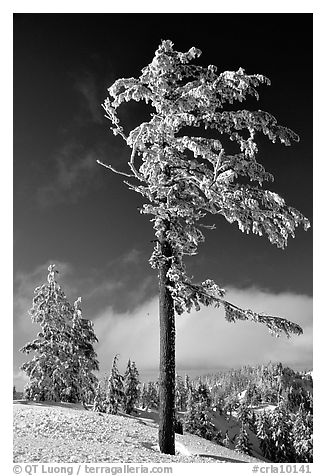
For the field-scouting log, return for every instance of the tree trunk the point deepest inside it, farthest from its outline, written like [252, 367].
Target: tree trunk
[167, 358]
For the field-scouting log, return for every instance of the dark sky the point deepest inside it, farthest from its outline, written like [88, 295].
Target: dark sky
[71, 211]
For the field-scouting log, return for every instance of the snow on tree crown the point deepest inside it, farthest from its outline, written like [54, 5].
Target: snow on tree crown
[185, 177]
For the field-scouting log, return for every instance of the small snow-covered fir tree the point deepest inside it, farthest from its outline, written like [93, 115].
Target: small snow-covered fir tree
[48, 371]
[242, 442]
[183, 178]
[152, 395]
[143, 396]
[244, 413]
[281, 435]
[99, 403]
[187, 384]
[83, 357]
[230, 403]
[197, 420]
[131, 387]
[180, 394]
[302, 436]
[265, 436]
[226, 440]
[64, 359]
[202, 394]
[190, 416]
[274, 429]
[115, 394]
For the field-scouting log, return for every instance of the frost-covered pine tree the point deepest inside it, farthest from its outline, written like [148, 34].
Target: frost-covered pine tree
[83, 357]
[99, 403]
[183, 178]
[197, 419]
[244, 413]
[180, 394]
[302, 436]
[242, 442]
[131, 387]
[187, 384]
[64, 360]
[48, 371]
[115, 394]
[143, 396]
[281, 435]
[152, 395]
[226, 440]
[203, 395]
[265, 435]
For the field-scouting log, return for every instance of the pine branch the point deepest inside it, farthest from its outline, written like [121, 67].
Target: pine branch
[275, 324]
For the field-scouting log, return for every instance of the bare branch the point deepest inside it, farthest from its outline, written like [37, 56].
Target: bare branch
[108, 166]
[131, 163]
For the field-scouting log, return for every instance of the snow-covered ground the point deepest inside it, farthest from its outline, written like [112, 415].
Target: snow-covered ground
[45, 432]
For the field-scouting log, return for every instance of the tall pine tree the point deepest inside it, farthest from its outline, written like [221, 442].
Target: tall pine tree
[83, 357]
[180, 394]
[185, 177]
[265, 435]
[99, 403]
[302, 436]
[242, 442]
[115, 394]
[281, 434]
[131, 387]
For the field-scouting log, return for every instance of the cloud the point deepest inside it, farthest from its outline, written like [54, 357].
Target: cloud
[92, 104]
[205, 339]
[74, 169]
[131, 257]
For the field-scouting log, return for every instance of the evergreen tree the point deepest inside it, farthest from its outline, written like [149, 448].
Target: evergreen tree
[180, 394]
[230, 404]
[242, 442]
[253, 396]
[302, 436]
[152, 395]
[143, 396]
[115, 394]
[281, 435]
[264, 434]
[99, 404]
[244, 413]
[187, 384]
[131, 387]
[183, 178]
[253, 422]
[83, 358]
[14, 393]
[226, 441]
[203, 394]
[191, 416]
[197, 420]
[64, 360]
[48, 371]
